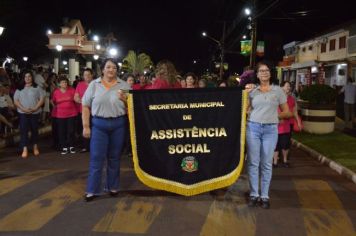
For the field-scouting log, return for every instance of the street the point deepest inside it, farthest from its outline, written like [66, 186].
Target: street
[44, 196]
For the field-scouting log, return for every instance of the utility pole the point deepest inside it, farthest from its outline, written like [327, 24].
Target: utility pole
[253, 36]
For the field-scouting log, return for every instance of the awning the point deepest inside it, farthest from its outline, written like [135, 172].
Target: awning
[304, 64]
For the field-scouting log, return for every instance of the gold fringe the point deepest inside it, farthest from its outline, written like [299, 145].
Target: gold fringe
[182, 189]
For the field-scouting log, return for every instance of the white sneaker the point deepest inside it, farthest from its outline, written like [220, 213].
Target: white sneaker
[64, 151]
[72, 150]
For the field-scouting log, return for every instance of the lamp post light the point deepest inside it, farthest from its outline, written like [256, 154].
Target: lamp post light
[113, 52]
[222, 51]
[1, 30]
[59, 49]
[49, 31]
[96, 57]
[25, 58]
[96, 38]
[98, 46]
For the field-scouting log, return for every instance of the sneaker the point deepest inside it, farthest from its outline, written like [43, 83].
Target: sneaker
[265, 203]
[89, 197]
[64, 151]
[252, 201]
[83, 150]
[72, 150]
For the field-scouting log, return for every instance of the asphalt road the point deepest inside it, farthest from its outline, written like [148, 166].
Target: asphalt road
[44, 196]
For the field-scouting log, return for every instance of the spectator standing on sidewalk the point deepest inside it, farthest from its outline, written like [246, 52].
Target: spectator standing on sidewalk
[29, 100]
[349, 91]
[79, 93]
[66, 112]
[106, 103]
[262, 132]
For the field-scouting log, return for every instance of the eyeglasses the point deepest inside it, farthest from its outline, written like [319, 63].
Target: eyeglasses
[264, 71]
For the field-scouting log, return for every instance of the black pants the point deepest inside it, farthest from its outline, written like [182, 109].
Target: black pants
[65, 129]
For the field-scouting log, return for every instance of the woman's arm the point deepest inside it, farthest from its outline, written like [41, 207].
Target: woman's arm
[285, 113]
[22, 108]
[86, 121]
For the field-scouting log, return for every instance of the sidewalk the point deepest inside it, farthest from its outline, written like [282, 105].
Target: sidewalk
[336, 150]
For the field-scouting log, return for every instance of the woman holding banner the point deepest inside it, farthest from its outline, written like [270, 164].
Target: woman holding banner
[106, 102]
[262, 132]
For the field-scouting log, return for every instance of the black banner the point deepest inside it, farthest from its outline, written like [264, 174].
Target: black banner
[188, 141]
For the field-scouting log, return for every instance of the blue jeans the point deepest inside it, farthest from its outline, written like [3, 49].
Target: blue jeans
[261, 142]
[107, 139]
[28, 122]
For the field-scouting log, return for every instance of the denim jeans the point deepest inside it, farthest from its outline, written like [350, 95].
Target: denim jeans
[261, 142]
[107, 139]
[28, 122]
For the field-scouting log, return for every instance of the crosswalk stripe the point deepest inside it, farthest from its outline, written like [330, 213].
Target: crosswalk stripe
[9, 184]
[38, 212]
[225, 218]
[128, 216]
[323, 212]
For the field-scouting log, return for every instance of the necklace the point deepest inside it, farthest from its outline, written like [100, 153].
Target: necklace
[108, 84]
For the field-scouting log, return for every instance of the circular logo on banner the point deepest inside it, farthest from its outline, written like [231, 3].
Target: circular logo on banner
[189, 164]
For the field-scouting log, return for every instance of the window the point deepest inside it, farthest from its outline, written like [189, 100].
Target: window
[323, 47]
[310, 48]
[332, 45]
[342, 42]
[303, 49]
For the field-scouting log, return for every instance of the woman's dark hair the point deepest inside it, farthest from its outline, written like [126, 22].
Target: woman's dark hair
[63, 78]
[285, 82]
[192, 75]
[127, 75]
[22, 83]
[89, 70]
[102, 66]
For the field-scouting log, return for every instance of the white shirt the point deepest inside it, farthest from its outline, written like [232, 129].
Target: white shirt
[350, 93]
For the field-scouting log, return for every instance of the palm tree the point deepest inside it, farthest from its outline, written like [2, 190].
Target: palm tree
[137, 63]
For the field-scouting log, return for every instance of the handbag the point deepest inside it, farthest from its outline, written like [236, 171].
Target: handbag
[295, 124]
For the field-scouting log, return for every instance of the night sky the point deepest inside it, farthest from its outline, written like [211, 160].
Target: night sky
[169, 29]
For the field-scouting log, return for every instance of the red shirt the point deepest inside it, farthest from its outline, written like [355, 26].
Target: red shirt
[65, 105]
[163, 84]
[80, 89]
[139, 87]
[291, 105]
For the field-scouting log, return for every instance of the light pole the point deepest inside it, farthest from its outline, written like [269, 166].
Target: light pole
[253, 26]
[221, 47]
[59, 49]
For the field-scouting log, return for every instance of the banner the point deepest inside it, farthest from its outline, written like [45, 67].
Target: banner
[188, 141]
[246, 47]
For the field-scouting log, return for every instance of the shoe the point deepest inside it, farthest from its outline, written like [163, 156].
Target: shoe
[72, 150]
[113, 193]
[24, 154]
[265, 203]
[252, 201]
[64, 151]
[36, 152]
[89, 197]
[285, 164]
[275, 165]
[83, 150]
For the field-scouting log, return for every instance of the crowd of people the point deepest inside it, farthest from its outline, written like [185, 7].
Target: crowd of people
[91, 114]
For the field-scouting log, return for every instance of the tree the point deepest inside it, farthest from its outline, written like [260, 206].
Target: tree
[137, 63]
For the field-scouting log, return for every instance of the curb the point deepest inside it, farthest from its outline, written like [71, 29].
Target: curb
[11, 140]
[326, 161]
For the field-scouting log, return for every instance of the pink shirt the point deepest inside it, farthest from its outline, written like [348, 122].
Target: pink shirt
[80, 89]
[291, 105]
[163, 84]
[65, 105]
[284, 126]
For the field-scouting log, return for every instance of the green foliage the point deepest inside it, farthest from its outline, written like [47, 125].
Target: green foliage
[135, 64]
[319, 94]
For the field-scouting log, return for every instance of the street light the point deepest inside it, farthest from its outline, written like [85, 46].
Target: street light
[221, 46]
[96, 38]
[98, 46]
[1, 30]
[113, 52]
[49, 31]
[247, 11]
[59, 47]
[65, 62]
[96, 57]
[25, 58]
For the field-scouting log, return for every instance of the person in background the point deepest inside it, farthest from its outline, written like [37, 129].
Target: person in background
[29, 99]
[202, 83]
[65, 113]
[262, 132]
[183, 84]
[190, 80]
[105, 101]
[166, 76]
[79, 93]
[76, 81]
[349, 91]
[130, 79]
[143, 83]
[222, 84]
[285, 127]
